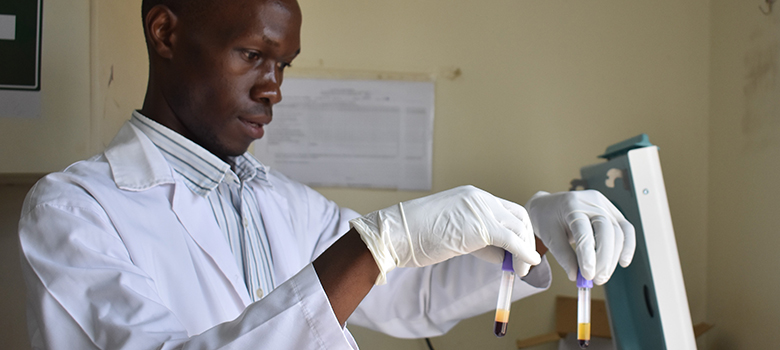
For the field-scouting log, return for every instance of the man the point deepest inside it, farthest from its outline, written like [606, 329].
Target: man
[175, 237]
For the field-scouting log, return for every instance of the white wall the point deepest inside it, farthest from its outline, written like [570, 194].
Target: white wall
[744, 187]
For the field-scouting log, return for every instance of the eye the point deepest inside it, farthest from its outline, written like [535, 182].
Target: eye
[282, 65]
[250, 55]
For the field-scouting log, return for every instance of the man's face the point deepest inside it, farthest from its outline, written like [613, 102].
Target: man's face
[226, 70]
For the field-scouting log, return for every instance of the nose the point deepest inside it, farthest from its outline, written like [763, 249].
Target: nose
[267, 85]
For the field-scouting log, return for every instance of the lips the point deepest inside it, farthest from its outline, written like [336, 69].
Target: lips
[258, 125]
[254, 125]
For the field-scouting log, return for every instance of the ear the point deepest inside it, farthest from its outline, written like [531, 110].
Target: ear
[160, 24]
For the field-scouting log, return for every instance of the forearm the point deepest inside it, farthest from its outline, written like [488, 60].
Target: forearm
[540, 247]
[347, 271]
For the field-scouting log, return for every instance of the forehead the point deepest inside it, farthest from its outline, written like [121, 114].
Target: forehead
[270, 20]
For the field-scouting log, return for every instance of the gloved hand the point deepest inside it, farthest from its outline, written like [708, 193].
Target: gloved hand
[459, 221]
[601, 236]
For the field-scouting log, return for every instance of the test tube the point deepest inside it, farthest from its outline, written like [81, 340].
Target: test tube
[504, 295]
[583, 310]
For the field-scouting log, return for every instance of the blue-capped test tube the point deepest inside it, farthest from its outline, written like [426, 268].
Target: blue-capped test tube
[504, 295]
[583, 310]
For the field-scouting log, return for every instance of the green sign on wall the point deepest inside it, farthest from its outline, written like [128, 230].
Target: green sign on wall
[20, 44]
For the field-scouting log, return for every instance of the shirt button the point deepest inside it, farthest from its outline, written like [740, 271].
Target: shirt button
[259, 293]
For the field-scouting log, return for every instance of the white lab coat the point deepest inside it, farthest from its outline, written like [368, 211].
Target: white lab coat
[118, 253]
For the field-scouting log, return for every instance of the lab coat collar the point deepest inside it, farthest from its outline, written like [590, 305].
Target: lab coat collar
[136, 163]
[202, 170]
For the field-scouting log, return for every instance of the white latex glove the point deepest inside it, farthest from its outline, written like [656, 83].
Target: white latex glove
[600, 235]
[459, 221]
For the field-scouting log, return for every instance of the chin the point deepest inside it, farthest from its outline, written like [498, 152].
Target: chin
[228, 152]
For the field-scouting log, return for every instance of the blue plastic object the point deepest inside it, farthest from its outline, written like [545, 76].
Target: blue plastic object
[621, 148]
[630, 292]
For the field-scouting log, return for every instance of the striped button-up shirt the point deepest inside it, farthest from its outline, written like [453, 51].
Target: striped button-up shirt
[229, 191]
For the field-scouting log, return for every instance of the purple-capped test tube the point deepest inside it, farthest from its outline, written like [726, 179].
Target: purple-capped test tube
[504, 295]
[583, 310]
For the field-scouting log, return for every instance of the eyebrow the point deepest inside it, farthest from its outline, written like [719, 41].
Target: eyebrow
[273, 43]
[268, 41]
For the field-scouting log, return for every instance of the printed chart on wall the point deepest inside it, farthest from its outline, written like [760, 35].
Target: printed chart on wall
[20, 58]
[352, 133]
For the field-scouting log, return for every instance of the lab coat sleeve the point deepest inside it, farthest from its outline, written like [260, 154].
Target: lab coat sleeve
[85, 293]
[429, 301]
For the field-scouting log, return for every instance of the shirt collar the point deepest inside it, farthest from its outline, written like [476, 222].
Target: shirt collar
[202, 170]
